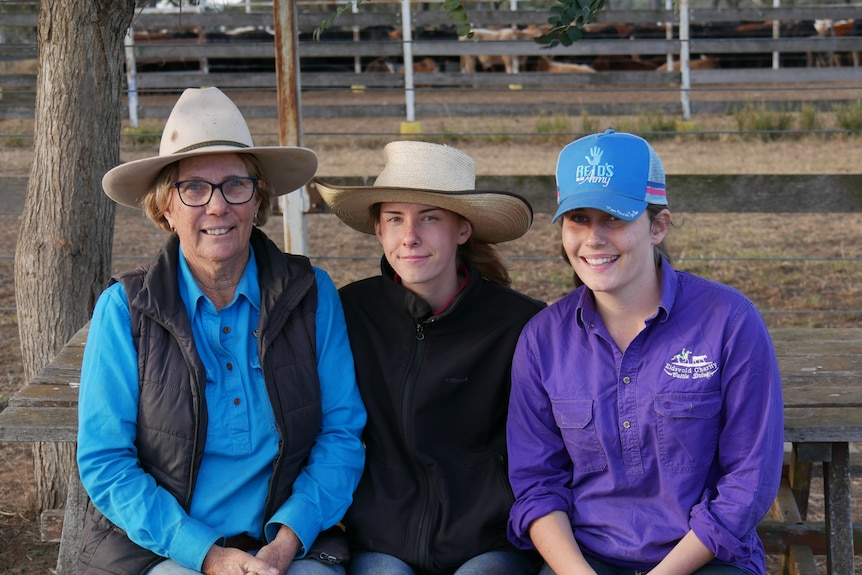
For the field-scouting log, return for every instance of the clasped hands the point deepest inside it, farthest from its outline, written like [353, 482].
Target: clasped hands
[272, 559]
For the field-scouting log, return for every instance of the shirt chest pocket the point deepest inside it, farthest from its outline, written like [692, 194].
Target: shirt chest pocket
[574, 418]
[688, 425]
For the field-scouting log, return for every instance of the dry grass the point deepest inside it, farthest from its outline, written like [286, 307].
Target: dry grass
[798, 269]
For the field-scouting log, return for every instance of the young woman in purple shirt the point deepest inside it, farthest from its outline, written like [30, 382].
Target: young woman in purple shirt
[645, 427]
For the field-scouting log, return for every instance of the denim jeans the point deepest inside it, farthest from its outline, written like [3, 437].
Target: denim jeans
[490, 563]
[602, 568]
[298, 567]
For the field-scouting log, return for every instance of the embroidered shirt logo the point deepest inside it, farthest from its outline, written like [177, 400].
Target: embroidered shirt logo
[594, 172]
[688, 365]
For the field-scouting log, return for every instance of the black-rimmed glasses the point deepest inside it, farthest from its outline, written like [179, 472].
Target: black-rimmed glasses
[196, 193]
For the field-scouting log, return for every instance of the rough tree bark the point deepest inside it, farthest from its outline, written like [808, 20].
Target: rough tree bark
[63, 256]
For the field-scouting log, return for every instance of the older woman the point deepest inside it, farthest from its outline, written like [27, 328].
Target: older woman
[219, 417]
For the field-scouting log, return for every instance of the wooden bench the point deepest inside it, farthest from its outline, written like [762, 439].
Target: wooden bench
[821, 373]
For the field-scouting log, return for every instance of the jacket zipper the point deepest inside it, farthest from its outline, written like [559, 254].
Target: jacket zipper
[409, 386]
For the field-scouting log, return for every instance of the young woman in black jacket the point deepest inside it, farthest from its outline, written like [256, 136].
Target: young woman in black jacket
[433, 338]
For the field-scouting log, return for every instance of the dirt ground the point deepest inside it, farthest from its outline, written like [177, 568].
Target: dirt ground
[535, 267]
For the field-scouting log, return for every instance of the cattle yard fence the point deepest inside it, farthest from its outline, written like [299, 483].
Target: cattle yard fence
[731, 57]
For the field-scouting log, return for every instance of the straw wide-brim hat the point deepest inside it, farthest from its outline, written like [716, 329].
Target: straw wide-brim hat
[434, 175]
[206, 121]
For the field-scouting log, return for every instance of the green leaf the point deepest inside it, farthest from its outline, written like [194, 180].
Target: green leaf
[457, 13]
[327, 23]
[573, 34]
[465, 30]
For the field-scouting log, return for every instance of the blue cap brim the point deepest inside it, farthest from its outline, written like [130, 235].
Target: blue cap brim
[624, 207]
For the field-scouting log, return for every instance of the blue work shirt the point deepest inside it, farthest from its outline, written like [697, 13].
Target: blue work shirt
[683, 431]
[242, 440]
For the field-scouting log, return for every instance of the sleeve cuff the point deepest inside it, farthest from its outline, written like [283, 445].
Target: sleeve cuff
[191, 548]
[302, 517]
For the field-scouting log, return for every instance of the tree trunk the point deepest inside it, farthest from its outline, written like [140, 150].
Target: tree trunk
[63, 256]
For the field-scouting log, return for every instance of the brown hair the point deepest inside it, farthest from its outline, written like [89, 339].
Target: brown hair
[482, 255]
[157, 199]
[659, 250]
[486, 260]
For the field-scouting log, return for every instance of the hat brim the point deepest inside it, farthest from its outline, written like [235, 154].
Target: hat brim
[622, 207]
[495, 217]
[285, 169]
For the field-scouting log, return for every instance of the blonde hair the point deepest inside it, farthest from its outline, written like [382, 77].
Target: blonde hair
[156, 201]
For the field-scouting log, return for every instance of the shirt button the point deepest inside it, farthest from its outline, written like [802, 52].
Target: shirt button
[236, 401]
[627, 380]
[627, 424]
[226, 329]
[229, 366]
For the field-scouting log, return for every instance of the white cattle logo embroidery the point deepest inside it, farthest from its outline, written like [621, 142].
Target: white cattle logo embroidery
[688, 365]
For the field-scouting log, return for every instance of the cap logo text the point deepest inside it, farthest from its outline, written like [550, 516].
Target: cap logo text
[594, 172]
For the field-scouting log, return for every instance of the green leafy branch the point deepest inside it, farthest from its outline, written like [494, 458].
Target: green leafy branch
[327, 23]
[456, 12]
[567, 19]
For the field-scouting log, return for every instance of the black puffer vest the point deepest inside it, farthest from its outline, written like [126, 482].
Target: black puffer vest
[172, 412]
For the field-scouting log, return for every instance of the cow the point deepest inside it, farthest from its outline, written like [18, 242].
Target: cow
[617, 30]
[547, 64]
[606, 63]
[380, 65]
[856, 30]
[824, 29]
[468, 62]
[429, 34]
[845, 28]
[702, 63]
[509, 63]
[385, 66]
[607, 31]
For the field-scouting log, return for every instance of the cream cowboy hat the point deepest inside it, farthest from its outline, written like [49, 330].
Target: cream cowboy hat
[435, 175]
[206, 121]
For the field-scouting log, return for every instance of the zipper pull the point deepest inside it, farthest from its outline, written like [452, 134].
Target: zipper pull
[420, 331]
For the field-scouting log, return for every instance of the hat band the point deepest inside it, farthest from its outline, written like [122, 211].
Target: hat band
[211, 143]
[655, 194]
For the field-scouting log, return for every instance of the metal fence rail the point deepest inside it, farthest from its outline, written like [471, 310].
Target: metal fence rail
[208, 49]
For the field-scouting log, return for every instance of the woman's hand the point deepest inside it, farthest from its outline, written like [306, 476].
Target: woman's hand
[686, 557]
[272, 559]
[229, 561]
[280, 552]
[553, 538]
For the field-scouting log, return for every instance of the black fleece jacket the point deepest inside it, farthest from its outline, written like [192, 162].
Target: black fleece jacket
[435, 490]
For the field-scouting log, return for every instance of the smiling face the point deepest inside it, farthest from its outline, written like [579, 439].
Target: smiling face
[214, 237]
[611, 256]
[421, 244]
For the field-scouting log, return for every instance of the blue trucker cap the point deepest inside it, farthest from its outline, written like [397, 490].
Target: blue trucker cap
[615, 172]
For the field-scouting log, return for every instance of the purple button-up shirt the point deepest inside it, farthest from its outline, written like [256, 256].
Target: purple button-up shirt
[683, 431]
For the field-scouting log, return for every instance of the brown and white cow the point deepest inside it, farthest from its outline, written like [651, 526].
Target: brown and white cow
[549, 65]
[468, 62]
